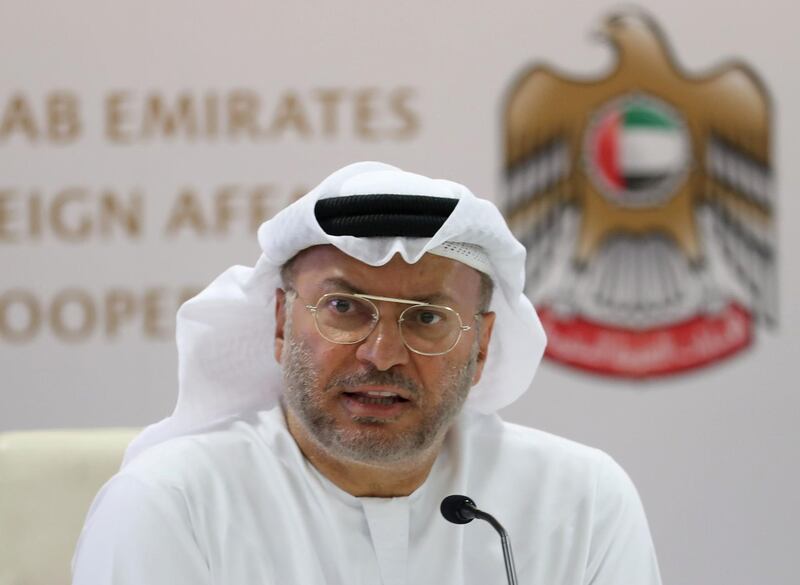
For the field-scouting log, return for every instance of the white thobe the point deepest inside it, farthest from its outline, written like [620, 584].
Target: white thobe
[241, 505]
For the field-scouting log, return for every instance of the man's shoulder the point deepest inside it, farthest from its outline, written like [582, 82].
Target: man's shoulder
[539, 483]
[524, 451]
[224, 450]
[518, 439]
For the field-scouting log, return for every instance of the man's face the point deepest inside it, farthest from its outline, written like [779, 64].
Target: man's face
[332, 390]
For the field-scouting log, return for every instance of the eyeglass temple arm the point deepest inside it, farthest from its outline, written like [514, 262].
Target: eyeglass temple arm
[389, 299]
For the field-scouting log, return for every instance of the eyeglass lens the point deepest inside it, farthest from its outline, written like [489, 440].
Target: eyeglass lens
[344, 318]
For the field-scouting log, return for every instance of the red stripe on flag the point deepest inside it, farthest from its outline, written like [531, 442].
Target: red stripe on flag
[607, 145]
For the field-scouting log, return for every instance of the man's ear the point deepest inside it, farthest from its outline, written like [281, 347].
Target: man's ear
[280, 322]
[486, 328]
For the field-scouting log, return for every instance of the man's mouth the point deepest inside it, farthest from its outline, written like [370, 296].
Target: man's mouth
[376, 397]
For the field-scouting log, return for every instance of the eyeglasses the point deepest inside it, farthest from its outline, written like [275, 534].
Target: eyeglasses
[350, 318]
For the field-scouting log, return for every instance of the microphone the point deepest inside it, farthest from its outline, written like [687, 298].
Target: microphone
[462, 510]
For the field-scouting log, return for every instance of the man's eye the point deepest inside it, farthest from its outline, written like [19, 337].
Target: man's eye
[428, 317]
[340, 305]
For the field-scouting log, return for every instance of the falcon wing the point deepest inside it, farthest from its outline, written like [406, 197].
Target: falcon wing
[738, 186]
[541, 145]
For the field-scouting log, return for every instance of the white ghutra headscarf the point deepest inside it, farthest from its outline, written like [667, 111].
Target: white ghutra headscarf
[225, 334]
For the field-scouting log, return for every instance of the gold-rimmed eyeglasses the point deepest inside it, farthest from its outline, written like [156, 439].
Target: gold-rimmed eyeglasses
[349, 318]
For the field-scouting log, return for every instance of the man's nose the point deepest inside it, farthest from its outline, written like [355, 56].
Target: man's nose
[384, 347]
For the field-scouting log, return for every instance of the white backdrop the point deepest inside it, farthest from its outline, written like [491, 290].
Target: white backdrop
[109, 216]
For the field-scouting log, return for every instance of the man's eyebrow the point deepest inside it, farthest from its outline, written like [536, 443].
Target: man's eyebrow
[436, 299]
[339, 285]
[335, 284]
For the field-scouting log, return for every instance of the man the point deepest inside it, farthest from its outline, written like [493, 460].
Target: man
[393, 307]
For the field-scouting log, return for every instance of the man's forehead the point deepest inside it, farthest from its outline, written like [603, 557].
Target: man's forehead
[432, 275]
[329, 255]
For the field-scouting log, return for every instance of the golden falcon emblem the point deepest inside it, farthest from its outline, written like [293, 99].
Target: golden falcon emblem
[644, 198]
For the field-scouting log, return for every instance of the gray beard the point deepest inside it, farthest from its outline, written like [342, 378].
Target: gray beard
[368, 442]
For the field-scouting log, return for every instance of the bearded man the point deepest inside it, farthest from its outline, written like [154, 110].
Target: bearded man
[393, 307]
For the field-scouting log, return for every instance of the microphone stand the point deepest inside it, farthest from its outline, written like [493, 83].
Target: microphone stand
[461, 510]
[508, 557]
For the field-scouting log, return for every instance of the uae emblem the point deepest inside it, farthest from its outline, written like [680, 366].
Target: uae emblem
[644, 198]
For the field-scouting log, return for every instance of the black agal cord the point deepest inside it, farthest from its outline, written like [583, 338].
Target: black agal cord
[383, 215]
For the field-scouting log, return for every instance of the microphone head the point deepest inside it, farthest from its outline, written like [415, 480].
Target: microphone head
[458, 509]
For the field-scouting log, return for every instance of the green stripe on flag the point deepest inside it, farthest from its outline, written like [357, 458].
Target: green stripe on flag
[644, 116]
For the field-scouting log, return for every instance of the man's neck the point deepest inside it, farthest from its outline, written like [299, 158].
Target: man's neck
[359, 479]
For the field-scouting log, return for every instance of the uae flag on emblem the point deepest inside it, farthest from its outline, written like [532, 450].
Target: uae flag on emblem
[636, 146]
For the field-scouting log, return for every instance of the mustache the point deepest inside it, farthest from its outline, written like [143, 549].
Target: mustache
[378, 378]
